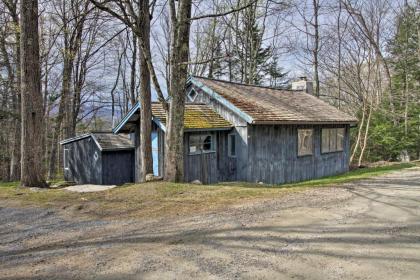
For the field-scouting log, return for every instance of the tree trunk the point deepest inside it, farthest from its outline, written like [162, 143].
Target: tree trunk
[133, 71]
[316, 46]
[65, 95]
[174, 153]
[339, 54]
[32, 173]
[15, 157]
[359, 134]
[363, 147]
[145, 95]
[14, 80]
[65, 91]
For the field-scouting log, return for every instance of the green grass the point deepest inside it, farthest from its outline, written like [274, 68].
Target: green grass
[353, 175]
[163, 198]
[9, 184]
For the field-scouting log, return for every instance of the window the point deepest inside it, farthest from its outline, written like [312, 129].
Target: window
[201, 144]
[232, 145]
[66, 158]
[95, 156]
[332, 140]
[192, 95]
[305, 146]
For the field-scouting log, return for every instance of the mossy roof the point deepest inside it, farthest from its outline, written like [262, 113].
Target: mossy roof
[197, 116]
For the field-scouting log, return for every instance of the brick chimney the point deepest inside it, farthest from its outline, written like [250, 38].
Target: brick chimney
[303, 84]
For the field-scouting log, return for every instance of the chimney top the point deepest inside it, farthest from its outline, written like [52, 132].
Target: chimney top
[303, 85]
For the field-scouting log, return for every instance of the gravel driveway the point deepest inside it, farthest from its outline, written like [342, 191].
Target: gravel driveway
[365, 230]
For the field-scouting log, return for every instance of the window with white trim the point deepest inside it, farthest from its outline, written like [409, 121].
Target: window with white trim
[201, 143]
[305, 146]
[332, 140]
[66, 158]
[232, 145]
[192, 95]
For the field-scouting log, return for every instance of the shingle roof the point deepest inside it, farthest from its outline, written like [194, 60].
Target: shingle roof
[106, 141]
[268, 105]
[197, 116]
[111, 141]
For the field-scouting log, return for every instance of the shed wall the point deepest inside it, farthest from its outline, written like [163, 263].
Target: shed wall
[84, 166]
[117, 167]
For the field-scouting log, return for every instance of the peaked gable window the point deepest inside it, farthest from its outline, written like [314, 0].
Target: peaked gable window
[192, 95]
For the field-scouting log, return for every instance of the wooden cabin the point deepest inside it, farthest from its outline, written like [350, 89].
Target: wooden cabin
[238, 132]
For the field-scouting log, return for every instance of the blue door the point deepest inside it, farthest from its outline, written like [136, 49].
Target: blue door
[155, 153]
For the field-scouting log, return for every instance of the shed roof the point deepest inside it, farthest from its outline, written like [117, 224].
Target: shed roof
[197, 117]
[264, 105]
[106, 141]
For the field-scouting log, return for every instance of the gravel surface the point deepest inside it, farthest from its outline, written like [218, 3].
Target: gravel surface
[364, 230]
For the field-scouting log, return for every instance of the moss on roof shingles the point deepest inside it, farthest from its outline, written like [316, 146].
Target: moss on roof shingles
[197, 116]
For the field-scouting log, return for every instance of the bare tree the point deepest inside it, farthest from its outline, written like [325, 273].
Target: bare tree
[72, 20]
[139, 23]
[14, 80]
[372, 33]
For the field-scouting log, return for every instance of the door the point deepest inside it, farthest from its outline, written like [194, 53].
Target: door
[155, 153]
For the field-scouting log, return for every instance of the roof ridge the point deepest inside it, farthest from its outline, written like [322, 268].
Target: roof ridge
[249, 85]
[186, 103]
[100, 131]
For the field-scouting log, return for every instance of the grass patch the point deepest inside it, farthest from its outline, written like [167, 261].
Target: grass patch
[163, 198]
[4, 185]
[356, 174]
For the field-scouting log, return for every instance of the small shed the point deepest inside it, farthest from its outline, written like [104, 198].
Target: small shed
[98, 158]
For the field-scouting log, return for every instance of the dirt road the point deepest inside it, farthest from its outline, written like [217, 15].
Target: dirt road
[365, 230]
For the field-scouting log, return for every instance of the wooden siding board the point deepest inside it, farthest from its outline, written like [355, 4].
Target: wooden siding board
[83, 168]
[137, 158]
[273, 155]
[209, 167]
[117, 167]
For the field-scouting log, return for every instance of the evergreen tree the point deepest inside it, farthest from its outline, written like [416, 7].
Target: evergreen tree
[388, 141]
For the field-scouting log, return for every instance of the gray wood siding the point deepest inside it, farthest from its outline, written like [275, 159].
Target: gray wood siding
[83, 168]
[117, 167]
[273, 155]
[210, 167]
[226, 166]
[241, 130]
[137, 162]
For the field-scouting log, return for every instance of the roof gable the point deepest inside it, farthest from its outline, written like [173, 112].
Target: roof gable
[105, 141]
[263, 105]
